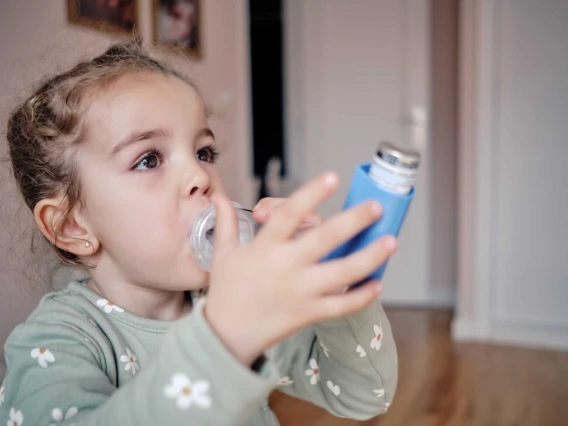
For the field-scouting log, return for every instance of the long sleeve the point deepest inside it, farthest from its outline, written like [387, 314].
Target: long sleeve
[56, 375]
[347, 366]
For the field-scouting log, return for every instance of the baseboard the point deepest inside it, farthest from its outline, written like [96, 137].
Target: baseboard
[467, 330]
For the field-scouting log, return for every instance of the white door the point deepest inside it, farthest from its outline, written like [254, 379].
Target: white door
[517, 249]
[357, 73]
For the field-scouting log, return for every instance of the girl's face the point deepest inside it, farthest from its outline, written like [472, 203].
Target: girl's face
[147, 168]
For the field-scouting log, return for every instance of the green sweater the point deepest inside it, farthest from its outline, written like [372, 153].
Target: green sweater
[79, 360]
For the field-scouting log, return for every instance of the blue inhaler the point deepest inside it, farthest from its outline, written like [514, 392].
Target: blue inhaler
[389, 179]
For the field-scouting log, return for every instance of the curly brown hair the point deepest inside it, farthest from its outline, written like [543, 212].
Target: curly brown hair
[45, 126]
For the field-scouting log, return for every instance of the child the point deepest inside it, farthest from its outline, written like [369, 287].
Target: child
[115, 160]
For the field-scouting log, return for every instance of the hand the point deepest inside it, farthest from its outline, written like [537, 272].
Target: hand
[266, 207]
[268, 289]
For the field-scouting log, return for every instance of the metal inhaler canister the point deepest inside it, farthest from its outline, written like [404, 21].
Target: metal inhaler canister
[389, 179]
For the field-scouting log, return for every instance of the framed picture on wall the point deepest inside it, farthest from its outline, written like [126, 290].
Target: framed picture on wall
[177, 23]
[117, 16]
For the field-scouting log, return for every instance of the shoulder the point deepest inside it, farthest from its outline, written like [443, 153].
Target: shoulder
[67, 306]
[65, 317]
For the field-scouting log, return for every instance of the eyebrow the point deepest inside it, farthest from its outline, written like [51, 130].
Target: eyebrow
[205, 132]
[134, 137]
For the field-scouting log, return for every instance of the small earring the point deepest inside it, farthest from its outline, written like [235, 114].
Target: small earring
[87, 244]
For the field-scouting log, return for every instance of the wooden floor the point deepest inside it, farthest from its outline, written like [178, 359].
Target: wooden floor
[446, 384]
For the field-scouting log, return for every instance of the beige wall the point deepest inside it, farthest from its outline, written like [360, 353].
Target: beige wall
[444, 88]
[36, 39]
[467, 156]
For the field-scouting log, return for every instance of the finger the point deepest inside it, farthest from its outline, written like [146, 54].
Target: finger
[313, 219]
[287, 218]
[320, 241]
[339, 305]
[264, 207]
[329, 277]
[226, 226]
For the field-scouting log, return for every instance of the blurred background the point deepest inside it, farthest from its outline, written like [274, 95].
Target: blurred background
[478, 291]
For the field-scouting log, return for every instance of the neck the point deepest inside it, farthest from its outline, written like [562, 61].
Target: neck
[152, 303]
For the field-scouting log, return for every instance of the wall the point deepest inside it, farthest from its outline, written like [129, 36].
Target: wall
[444, 105]
[35, 39]
[513, 269]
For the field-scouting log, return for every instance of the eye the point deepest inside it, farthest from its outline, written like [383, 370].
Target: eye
[209, 154]
[150, 160]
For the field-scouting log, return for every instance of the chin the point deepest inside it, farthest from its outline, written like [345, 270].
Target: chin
[198, 279]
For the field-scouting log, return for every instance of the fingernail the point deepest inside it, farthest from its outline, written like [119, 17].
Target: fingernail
[391, 242]
[260, 212]
[376, 208]
[330, 179]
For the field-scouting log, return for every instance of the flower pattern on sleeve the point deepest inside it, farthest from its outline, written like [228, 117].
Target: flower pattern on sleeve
[361, 351]
[130, 360]
[186, 393]
[285, 381]
[333, 388]
[325, 350]
[378, 339]
[379, 392]
[43, 356]
[16, 417]
[57, 415]
[108, 307]
[313, 371]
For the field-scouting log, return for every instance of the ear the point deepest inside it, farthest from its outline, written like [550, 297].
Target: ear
[69, 232]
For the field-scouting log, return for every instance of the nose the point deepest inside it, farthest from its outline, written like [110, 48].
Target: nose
[197, 182]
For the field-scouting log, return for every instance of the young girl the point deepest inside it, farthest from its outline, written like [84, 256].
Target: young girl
[115, 160]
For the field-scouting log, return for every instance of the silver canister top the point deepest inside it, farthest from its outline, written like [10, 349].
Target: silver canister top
[398, 156]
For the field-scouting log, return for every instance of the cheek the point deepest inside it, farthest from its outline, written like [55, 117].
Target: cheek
[131, 220]
[216, 181]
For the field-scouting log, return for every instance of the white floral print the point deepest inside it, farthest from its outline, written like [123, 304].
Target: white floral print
[16, 418]
[379, 392]
[43, 356]
[377, 340]
[313, 371]
[361, 351]
[185, 393]
[285, 381]
[2, 392]
[108, 307]
[325, 350]
[58, 416]
[130, 360]
[334, 388]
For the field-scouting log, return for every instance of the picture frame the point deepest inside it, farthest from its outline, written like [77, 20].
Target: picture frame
[112, 16]
[178, 25]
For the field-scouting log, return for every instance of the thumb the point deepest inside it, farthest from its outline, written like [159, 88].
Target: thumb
[226, 226]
